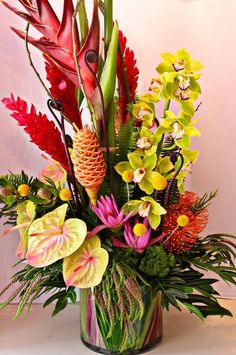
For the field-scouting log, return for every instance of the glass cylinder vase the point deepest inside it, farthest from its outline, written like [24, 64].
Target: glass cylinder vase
[102, 331]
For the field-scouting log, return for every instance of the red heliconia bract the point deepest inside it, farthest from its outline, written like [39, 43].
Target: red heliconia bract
[57, 42]
[129, 69]
[42, 132]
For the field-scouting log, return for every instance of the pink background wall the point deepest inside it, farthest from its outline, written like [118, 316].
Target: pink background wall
[207, 28]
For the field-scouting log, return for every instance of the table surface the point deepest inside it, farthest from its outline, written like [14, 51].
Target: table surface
[39, 334]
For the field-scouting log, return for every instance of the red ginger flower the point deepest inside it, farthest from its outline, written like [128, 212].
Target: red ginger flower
[42, 132]
[131, 71]
[179, 239]
[63, 89]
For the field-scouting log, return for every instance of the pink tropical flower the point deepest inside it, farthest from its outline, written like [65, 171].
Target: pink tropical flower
[133, 241]
[108, 212]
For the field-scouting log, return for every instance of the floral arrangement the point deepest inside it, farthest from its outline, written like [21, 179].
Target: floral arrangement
[109, 213]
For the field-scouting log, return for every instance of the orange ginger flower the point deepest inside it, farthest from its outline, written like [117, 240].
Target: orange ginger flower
[89, 164]
[183, 236]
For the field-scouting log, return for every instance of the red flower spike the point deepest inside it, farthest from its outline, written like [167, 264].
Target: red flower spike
[58, 42]
[132, 73]
[181, 239]
[42, 132]
[64, 90]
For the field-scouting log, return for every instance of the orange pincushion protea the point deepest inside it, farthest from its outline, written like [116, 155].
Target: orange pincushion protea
[89, 164]
[180, 239]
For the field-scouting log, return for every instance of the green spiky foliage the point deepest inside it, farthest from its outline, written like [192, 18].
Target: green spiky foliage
[204, 202]
[157, 262]
[30, 283]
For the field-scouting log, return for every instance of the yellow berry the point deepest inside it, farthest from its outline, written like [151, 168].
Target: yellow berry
[65, 195]
[23, 190]
[183, 220]
[128, 176]
[139, 229]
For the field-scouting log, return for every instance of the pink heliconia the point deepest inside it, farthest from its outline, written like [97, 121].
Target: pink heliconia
[108, 212]
[138, 244]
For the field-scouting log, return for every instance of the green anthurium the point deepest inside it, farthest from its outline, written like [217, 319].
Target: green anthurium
[51, 238]
[181, 128]
[146, 207]
[86, 266]
[140, 170]
[144, 112]
[147, 142]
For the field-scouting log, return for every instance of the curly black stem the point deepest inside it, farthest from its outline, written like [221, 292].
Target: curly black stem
[91, 58]
[58, 106]
[53, 105]
[173, 157]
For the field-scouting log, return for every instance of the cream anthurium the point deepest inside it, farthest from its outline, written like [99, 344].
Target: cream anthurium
[146, 207]
[86, 266]
[142, 171]
[51, 238]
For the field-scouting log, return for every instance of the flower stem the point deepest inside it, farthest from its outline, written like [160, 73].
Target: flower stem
[108, 23]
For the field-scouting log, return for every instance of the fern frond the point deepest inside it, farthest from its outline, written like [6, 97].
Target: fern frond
[125, 140]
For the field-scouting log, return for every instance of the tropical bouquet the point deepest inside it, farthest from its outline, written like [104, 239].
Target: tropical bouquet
[109, 213]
